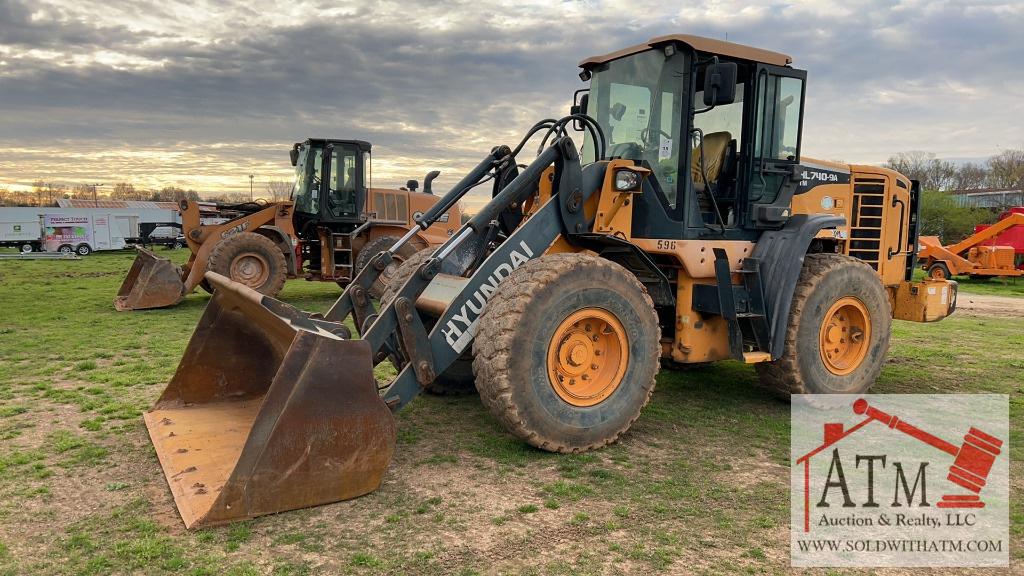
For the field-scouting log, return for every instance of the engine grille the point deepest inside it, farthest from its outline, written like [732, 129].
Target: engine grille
[866, 229]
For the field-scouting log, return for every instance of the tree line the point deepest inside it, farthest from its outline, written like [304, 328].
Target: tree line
[942, 214]
[47, 193]
[1004, 171]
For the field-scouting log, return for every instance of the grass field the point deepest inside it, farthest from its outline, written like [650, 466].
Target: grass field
[699, 485]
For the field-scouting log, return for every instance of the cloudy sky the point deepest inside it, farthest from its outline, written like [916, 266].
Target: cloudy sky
[199, 94]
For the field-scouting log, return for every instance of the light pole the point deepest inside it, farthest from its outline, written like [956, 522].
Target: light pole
[251, 176]
[95, 202]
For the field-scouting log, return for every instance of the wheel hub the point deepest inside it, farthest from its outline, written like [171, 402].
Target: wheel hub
[250, 269]
[844, 336]
[587, 357]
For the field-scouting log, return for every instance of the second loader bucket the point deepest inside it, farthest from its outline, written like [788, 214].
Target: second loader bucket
[152, 282]
[268, 411]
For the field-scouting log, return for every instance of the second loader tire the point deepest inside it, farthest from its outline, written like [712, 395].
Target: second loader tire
[838, 332]
[458, 378]
[376, 246]
[250, 259]
[567, 351]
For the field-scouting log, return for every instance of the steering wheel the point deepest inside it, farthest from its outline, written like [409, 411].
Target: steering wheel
[625, 150]
[645, 136]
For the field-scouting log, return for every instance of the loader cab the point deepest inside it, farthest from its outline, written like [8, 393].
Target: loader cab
[718, 125]
[331, 179]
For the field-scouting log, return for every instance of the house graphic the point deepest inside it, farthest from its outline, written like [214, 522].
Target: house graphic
[972, 460]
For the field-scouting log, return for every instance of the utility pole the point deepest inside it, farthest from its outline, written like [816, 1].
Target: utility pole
[95, 202]
[251, 176]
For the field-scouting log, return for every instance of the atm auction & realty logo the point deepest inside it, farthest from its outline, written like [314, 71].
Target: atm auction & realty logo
[900, 480]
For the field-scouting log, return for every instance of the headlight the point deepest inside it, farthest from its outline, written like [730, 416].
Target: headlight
[626, 180]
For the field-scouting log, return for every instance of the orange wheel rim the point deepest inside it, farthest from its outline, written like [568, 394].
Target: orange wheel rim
[587, 357]
[250, 269]
[938, 273]
[844, 336]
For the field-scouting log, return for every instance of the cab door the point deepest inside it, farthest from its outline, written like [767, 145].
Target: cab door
[773, 166]
[342, 190]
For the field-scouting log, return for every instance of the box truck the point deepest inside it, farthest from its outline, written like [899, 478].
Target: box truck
[21, 231]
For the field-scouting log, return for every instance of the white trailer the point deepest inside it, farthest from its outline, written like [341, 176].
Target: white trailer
[86, 233]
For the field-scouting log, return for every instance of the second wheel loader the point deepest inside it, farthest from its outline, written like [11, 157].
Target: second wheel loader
[328, 231]
[692, 229]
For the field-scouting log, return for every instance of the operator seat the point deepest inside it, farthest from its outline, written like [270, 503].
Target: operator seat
[716, 152]
[715, 146]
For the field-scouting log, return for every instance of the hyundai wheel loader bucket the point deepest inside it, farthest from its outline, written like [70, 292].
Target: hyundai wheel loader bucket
[268, 411]
[152, 282]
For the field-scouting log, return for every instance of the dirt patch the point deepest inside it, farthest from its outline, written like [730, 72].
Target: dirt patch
[749, 472]
[985, 305]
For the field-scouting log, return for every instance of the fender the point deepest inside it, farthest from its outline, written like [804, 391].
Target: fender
[780, 255]
[283, 241]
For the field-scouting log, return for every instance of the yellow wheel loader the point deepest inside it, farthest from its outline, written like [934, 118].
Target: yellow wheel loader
[333, 224]
[692, 229]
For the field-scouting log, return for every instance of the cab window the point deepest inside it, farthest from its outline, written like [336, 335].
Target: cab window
[778, 125]
[638, 102]
[306, 192]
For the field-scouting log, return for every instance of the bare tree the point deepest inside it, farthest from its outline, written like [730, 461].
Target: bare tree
[125, 191]
[934, 174]
[83, 192]
[39, 189]
[54, 192]
[173, 194]
[47, 192]
[970, 176]
[278, 190]
[229, 198]
[1006, 169]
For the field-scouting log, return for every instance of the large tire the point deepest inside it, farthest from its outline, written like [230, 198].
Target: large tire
[837, 300]
[458, 378]
[536, 333]
[376, 246]
[250, 259]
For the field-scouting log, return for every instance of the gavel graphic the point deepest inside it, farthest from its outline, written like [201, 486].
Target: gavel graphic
[972, 460]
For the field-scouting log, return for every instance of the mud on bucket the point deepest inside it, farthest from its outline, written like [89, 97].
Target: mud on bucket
[152, 282]
[268, 411]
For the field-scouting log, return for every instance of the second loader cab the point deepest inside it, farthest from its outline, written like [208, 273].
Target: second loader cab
[331, 180]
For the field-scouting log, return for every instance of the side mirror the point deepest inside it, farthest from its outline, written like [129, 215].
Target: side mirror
[720, 83]
[294, 154]
[412, 185]
[579, 107]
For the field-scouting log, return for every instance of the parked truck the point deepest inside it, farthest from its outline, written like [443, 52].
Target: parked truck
[21, 232]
